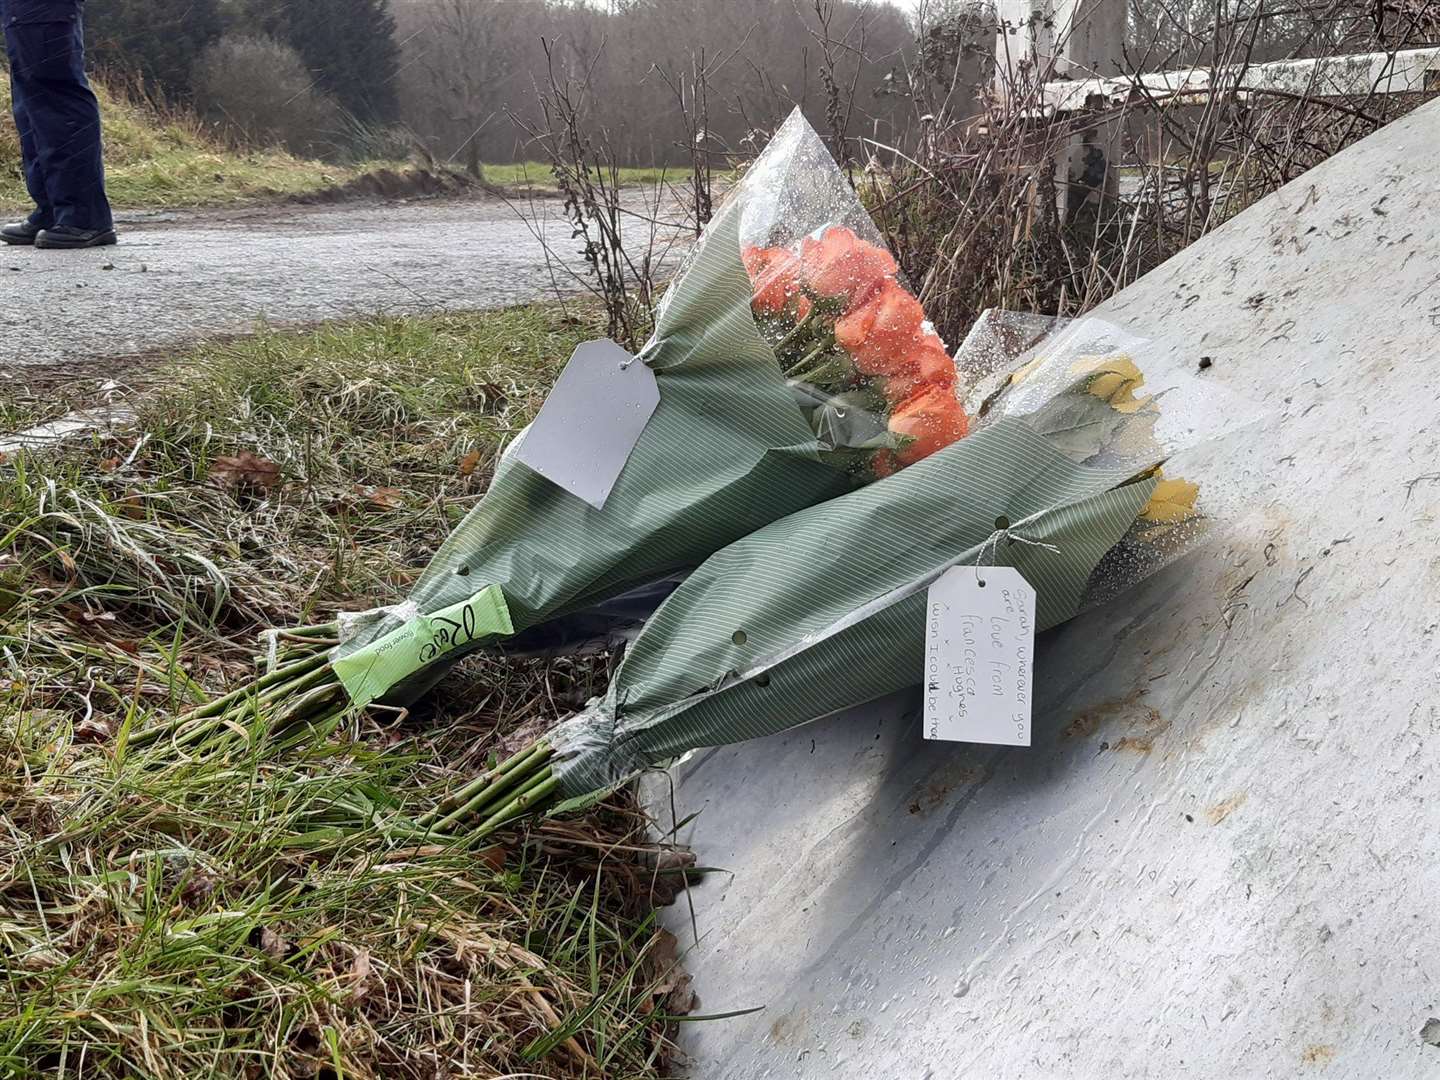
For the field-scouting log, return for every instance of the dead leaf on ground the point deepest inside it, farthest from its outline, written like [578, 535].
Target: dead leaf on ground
[488, 397]
[273, 944]
[671, 982]
[494, 856]
[197, 890]
[360, 984]
[670, 876]
[245, 470]
[92, 730]
[469, 462]
[132, 506]
[385, 498]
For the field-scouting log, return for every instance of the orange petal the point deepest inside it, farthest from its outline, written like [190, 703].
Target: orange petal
[932, 419]
[841, 264]
[884, 333]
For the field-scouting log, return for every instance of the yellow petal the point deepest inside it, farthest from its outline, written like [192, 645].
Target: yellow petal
[1134, 405]
[1171, 501]
[1021, 374]
[1112, 378]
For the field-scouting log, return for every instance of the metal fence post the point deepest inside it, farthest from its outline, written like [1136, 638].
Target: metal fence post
[1046, 40]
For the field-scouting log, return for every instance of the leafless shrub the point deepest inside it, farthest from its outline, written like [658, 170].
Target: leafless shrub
[987, 194]
[840, 35]
[702, 146]
[259, 91]
[1022, 208]
[586, 169]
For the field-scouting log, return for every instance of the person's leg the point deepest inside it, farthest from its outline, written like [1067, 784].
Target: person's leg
[63, 118]
[43, 215]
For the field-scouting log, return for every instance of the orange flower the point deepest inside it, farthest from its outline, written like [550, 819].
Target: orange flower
[775, 275]
[932, 367]
[841, 264]
[932, 419]
[756, 259]
[884, 334]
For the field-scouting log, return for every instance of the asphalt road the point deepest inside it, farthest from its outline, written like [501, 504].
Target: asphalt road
[175, 278]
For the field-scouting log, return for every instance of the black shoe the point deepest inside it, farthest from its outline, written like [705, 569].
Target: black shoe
[19, 232]
[68, 236]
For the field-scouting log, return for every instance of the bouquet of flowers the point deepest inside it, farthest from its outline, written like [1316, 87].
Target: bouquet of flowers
[871, 375]
[826, 609]
[791, 364]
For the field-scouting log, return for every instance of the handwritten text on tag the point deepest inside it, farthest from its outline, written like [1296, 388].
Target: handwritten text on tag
[980, 656]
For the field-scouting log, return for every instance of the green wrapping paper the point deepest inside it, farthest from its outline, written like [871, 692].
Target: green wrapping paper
[368, 672]
[726, 452]
[825, 609]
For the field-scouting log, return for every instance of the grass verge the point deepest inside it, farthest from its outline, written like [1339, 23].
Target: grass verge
[156, 160]
[523, 174]
[205, 918]
[163, 159]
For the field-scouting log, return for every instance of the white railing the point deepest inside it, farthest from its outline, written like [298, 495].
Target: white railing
[1359, 75]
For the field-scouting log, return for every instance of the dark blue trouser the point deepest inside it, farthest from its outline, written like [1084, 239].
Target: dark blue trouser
[56, 113]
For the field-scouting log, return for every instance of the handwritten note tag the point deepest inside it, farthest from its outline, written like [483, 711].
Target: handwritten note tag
[591, 421]
[980, 656]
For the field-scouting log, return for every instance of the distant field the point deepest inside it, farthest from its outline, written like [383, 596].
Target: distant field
[537, 173]
[159, 160]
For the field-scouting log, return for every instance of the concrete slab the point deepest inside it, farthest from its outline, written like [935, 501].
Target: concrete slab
[1221, 857]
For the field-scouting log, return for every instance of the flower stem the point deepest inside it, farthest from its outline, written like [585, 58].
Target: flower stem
[319, 630]
[315, 716]
[320, 675]
[543, 786]
[829, 371]
[485, 783]
[822, 347]
[515, 781]
[797, 332]
[226, 703]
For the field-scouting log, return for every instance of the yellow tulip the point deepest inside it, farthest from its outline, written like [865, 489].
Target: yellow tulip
[1171, 501]
[1114, 379]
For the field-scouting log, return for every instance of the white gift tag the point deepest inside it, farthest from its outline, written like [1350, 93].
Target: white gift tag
[591, 421]
[980, 656]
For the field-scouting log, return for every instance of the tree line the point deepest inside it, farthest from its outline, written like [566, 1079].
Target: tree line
[646, 69]
[463, 76]
[348, 47]
[466, 79]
